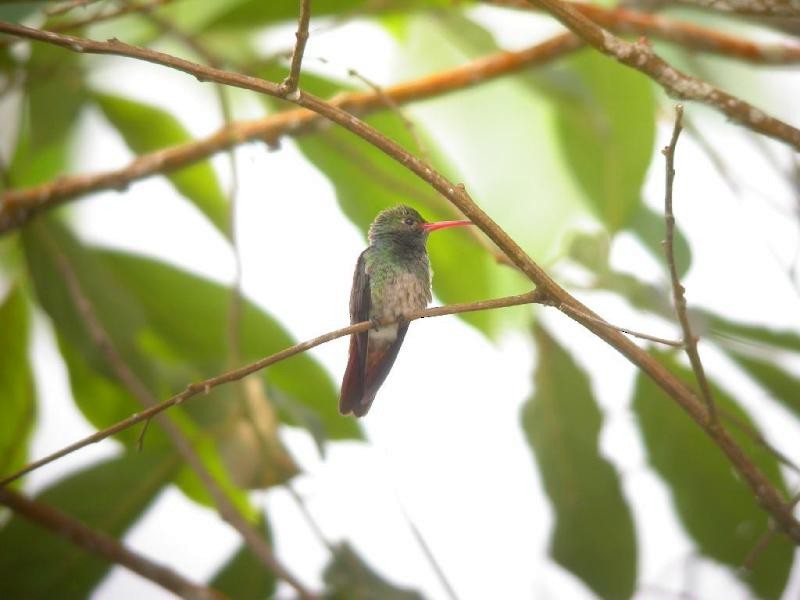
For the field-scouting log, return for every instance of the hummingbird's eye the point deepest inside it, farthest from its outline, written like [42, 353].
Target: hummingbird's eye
[409, 221]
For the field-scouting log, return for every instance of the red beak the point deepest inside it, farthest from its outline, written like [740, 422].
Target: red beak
[428, 227]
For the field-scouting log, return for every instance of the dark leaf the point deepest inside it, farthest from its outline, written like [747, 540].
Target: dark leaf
[18, 405]
[146, 128]
[715, 506]
[244, 575]
[782, 385]
[348, 577]
[42, 147]
[184, 301]
[109, 496]
[253, 13]
[607, 143]
[594, 535]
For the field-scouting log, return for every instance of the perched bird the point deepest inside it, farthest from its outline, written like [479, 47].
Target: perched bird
[392, 279]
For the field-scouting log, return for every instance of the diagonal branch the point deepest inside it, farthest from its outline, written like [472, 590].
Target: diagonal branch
[203, 387]
[139, 390]
[689, 339]
[640, 56]
[762, 488]
[689, 35]
[103, 545]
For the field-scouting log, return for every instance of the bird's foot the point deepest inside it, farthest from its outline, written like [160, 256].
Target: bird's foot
[376, 323]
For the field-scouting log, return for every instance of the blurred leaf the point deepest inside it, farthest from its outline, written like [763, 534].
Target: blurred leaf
[244, 575]
[184, 301]
[18, 406]
[757, 335]
[715, 506]
[251, 14]
[348, 577]
[48, 246]
[782, 385]
[607, 143]
[109, 496]
[102, 399]
[146, 128]
[594, 535]
[16, 11]
[43, 143]
[649, 227]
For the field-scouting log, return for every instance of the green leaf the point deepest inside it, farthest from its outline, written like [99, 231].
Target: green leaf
[250, 14]
[43, 144]
[783, 386]
[606, 123]
[756, 335]
[146, 128]
[244, 575]
[18, 406]
[348, 577]
[109, 496]
[649, 227]
[594, 534]
[184, 301]
[718, 510]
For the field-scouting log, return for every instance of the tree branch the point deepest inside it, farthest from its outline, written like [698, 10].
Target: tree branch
[688, 35]
[289, 85]
[203, 387]
[227, 510]
[103, 545]
[764, 491]
[689, 339]
[640, 56]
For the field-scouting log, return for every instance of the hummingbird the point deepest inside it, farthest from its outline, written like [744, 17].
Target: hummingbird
[392, 279]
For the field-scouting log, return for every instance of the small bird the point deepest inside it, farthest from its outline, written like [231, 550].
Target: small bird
[392, 279]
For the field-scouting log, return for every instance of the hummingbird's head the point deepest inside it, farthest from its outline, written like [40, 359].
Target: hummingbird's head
[404, 224]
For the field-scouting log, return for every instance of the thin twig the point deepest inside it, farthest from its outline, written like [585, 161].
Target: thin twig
[103, 545]
[430, 556]
[640, 56]
[309, 518]
[205, 386]
[645, 336]
[227, 510]
[289, 85]
[678, 291]
[123, 9]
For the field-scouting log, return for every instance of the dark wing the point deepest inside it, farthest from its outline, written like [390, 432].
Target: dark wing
[360, 301]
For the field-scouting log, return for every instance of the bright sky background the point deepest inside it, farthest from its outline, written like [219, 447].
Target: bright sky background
[447, 450]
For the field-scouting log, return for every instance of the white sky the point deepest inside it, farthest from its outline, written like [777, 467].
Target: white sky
[448, 450]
